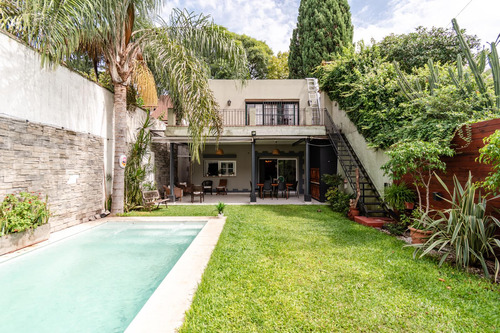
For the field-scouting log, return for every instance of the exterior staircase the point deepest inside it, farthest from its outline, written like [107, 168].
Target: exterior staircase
[370, 202]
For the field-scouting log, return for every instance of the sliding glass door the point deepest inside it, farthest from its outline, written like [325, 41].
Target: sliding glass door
[275, 168]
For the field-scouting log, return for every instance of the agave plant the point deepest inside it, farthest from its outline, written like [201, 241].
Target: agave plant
[464, 229]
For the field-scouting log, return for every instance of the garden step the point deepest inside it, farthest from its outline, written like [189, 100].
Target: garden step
[375, 211]
[374, 222]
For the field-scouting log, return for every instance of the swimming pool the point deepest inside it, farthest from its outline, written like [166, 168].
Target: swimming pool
[96, 281]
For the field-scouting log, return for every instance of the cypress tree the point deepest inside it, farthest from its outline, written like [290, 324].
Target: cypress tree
[323, 27]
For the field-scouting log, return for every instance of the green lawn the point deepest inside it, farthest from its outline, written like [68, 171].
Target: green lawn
[293, 269]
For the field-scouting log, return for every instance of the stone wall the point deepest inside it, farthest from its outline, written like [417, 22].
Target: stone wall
[162, 164]
[65, 165]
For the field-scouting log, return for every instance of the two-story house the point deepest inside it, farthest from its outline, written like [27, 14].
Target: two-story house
[273, 129]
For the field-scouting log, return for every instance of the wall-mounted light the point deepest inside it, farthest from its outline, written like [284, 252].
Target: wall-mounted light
[254, 133]
[219, 152]
[309, 102]
[228, 102]
[276, 151]
[437, 196]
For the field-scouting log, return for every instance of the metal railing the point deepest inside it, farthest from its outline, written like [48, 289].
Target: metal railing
[299, 117]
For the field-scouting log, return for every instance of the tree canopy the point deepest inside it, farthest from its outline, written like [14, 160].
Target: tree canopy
[257, 52]
[323, 28]
[278, 66]
[414, 49]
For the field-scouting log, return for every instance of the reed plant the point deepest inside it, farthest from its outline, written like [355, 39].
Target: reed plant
[464, 230]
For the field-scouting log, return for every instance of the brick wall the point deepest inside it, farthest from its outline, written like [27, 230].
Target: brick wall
[65, 165]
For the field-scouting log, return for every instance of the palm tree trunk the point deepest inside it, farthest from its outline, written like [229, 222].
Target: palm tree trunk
[120, 129]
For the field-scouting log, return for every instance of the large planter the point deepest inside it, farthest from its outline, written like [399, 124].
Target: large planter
[18, 240]
[419, 236]
[353, 212]
[409, 205]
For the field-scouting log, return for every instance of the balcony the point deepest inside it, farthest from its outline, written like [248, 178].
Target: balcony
[240, 122]
[242, 117]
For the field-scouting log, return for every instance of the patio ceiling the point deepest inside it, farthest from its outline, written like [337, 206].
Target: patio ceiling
[259, 140]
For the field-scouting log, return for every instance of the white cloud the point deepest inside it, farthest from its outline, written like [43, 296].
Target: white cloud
[271, 21]
[274, 20]
[480, 17]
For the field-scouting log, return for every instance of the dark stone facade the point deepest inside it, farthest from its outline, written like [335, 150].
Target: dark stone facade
[65, 165]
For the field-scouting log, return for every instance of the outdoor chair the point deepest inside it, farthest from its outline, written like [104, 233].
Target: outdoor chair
[186, 188]
[293, 188]
[207, 186]
[267, 188]
[222, 188]
[178, 192]
[282, 188]
[197, 191]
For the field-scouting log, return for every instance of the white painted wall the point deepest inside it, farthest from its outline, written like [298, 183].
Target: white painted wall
[58, 97]
[237, 92]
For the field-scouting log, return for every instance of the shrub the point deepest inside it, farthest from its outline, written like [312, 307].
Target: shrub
[397, 194]
[332, 180]
[338, 199]
[464, 229]
[21, 212]
[490, 154]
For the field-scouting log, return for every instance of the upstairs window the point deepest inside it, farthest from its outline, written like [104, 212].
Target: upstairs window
[270, 113]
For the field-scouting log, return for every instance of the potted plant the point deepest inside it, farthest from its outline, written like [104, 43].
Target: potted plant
[418, 160]
[220, 208]
[399, 196]
[353, 203]
[417, 228]
[353, 208]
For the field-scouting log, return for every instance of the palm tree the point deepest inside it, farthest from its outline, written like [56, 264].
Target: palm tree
[124, 32]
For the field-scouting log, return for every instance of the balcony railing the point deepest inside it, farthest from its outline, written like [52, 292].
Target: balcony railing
[233, 117]
[299, 117]
[241, 117]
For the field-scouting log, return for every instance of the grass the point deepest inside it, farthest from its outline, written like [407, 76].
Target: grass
[294, 269]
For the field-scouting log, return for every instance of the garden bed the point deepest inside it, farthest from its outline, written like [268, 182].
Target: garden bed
[15, 241]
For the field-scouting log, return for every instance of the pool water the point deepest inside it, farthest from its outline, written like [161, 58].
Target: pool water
[96, 281]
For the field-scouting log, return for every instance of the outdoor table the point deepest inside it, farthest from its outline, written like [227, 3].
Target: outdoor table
[261, 186]
[287, 186]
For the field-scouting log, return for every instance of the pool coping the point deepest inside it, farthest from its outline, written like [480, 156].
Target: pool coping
[165, 309]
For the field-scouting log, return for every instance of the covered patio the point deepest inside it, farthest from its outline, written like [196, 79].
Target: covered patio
[242, 198]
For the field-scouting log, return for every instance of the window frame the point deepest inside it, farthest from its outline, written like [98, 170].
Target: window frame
[206, 162]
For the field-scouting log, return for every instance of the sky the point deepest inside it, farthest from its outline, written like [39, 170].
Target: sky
[273, 21]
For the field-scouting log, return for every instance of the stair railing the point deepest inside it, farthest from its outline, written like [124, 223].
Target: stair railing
[335, 134]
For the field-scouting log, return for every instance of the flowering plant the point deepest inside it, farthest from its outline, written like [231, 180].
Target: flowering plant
[19, 212]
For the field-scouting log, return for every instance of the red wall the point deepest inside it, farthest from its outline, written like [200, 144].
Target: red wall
[463, 161]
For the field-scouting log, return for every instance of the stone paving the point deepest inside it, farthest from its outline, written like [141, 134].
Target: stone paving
[244, 199]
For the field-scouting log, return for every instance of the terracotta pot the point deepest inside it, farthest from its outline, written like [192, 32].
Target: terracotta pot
[409, 205]
[419, 236]
[353, 212]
